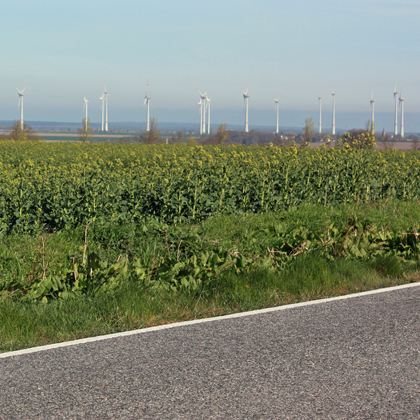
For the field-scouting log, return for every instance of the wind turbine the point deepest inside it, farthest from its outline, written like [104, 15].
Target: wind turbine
[20, 105]
[276, 101]
[333, 120]
[106, 108]
[203, 97]
[372, 106]
[320, 113]
[201, 116]
[146, 101]
[102, 109]
[208, 115]
[246, 96]
[396, 110]
[85, 107]
[402, 116]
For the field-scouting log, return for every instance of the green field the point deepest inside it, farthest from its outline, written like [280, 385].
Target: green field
[50, 186]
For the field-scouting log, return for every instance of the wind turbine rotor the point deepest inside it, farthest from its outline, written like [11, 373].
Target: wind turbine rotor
[202, 95]
[21, 91]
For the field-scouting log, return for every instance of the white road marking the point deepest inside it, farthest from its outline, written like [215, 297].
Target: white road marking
[199, 321]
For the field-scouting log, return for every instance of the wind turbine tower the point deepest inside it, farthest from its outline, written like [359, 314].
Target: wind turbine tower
[396, 111]
[246, 96]
[402, 115]
[20, 105]
[203, 100]
[333, 120]
[320, 114]
[208, 115]
[276, 107]
[106, 108]
[201, 116]
[146, 102]
[102, 110]
[372, 124]
[85, 107]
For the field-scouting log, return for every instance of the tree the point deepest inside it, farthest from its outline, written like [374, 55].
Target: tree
[152, 136]
[17, 133]
[221, 136]
[85, 132]
[308, 130]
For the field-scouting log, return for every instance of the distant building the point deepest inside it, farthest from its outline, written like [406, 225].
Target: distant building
[383, 132]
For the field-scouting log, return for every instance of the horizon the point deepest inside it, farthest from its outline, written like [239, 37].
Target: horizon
[265, 119]
[294, 51]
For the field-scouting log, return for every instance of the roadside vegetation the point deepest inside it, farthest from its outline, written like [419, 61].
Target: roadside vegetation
[107, 278]
[97, 239]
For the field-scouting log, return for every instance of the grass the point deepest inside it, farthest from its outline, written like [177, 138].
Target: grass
[25, 324]
[135, 305]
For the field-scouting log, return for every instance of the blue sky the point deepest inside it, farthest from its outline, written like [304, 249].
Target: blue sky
[62, 50]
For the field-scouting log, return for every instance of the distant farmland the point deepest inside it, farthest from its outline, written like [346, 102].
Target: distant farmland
[75, 137]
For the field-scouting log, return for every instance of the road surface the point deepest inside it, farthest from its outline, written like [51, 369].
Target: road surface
[351, 358]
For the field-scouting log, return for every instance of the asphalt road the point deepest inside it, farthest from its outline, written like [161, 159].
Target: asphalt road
[354, 358]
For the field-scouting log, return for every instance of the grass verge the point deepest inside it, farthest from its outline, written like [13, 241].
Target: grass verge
[135, 305]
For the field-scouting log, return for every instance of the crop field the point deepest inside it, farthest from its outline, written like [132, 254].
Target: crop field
[120, 236]
[56, 186]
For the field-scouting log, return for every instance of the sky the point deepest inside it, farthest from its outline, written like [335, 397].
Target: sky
[293, 50]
